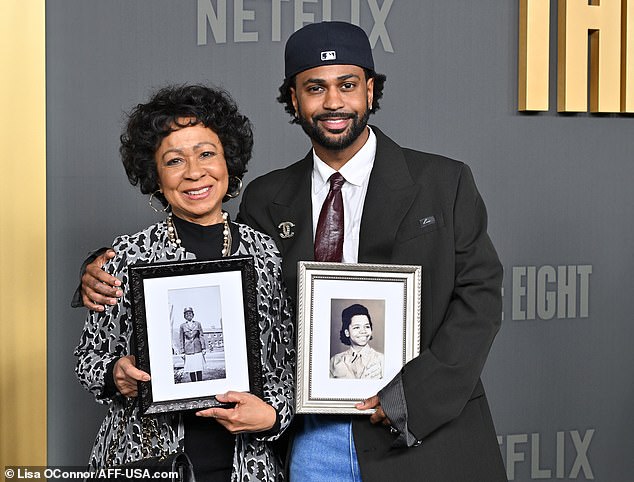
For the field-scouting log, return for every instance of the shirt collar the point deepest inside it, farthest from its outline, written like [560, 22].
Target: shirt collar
[355, 171]
[363, 351]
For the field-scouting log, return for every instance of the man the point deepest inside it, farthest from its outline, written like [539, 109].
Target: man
[432, 421]
[401, 207]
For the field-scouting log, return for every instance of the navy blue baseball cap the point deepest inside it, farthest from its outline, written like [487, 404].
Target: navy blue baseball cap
[327, 43]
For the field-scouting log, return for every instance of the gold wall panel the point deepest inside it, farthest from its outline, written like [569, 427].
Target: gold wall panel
[599, 25]
[534, 53]
[22, 234]
[595, 61]
[627, 57]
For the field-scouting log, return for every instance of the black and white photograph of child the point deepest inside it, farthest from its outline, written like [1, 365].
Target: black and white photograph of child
[358, 326]
[197, 340]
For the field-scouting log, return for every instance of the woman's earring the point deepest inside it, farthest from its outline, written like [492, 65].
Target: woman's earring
[236, 191]
[152, 205]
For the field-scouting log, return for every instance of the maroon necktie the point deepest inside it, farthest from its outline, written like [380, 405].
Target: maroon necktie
[329, 234]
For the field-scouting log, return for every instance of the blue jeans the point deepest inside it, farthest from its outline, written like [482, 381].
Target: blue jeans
[323, 451]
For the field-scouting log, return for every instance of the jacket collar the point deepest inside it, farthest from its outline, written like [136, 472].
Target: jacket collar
[391, 192]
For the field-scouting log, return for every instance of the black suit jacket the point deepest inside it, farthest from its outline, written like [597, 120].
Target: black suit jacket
[419, 209]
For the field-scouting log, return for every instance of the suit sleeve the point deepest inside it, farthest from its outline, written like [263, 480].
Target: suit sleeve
[248, 208]
[440, 381]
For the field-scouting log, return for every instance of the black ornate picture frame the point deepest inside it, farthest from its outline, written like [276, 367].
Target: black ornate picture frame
[196, 332]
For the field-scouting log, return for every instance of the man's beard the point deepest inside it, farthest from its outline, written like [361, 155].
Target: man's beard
[311, 128]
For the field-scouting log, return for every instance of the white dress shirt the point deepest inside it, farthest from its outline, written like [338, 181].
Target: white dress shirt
[356, 172]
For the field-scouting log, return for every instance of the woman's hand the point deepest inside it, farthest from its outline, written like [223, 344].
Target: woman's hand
[250, 414]
[126, 376]
[98, 288]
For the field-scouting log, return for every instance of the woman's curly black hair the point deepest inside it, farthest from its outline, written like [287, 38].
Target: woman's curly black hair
[346, 319]
[148, 124]
[286, 98]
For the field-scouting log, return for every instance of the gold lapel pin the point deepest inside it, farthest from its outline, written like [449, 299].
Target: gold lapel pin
[286, 229]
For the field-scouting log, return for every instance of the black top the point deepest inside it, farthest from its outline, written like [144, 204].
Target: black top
[204, 241]
[207, 443]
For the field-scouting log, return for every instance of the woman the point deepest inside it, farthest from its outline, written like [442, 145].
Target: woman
[188, 147]
[192, 345]
[360, 360]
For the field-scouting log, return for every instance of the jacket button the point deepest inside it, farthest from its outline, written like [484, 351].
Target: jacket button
[417, 443]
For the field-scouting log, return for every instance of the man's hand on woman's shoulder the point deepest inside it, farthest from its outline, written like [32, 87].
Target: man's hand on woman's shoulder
[98, 288]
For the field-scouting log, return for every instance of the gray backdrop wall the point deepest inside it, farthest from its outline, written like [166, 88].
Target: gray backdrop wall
[557, 187]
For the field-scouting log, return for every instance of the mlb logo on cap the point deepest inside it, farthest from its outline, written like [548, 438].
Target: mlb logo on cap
[319, 44]
[329, 55]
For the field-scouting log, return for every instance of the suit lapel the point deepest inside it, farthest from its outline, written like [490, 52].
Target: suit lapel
[293, 204]
[391, 192]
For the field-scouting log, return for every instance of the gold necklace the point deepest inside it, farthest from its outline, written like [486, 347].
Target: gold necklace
[172, 234]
